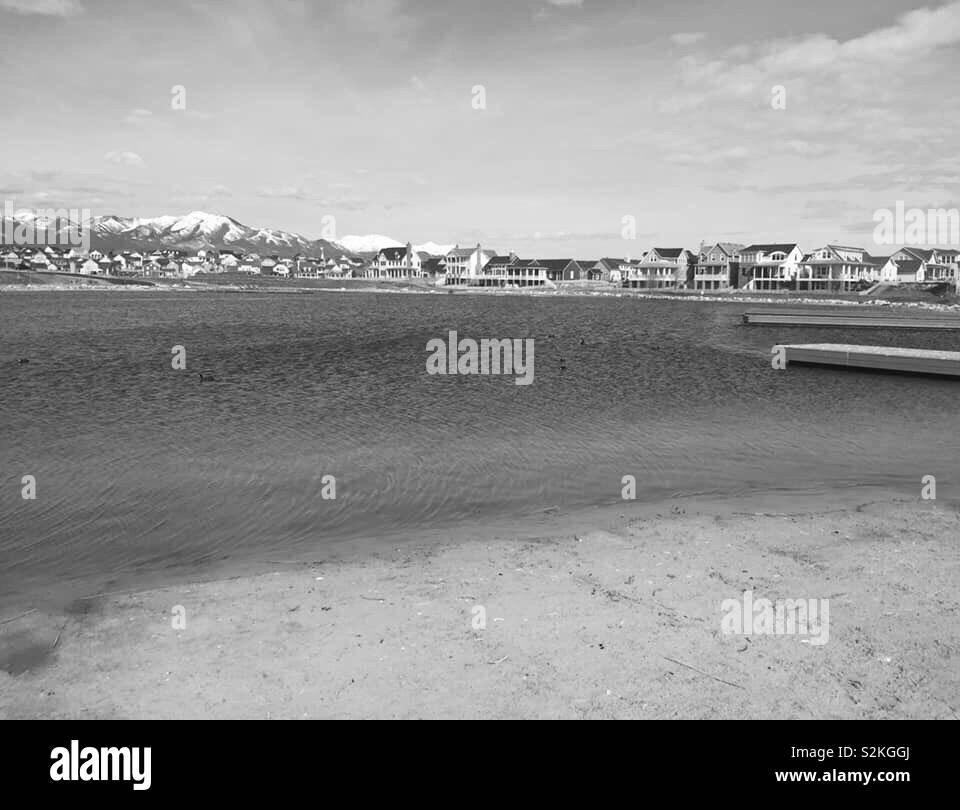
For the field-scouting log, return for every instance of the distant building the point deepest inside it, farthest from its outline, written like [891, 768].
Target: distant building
[464, 266]
[396, 263]
[770, 266]
[935, 265]
[717, 267]
[662, 268]
[839, 268]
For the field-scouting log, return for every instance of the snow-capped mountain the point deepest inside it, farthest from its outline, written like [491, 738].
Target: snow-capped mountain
[193, 231]
[369, 243]
[198, 230]
[433, 248]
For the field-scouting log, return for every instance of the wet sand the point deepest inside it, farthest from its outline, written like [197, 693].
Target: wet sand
[610, 613]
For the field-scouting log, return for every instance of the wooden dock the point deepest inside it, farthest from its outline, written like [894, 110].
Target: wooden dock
[844, 319]
[885, 358]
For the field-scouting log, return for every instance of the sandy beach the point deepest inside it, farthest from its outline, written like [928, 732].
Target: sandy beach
[609, 613]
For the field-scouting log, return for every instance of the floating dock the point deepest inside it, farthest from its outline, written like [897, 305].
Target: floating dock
[884, 358]
[851, 319]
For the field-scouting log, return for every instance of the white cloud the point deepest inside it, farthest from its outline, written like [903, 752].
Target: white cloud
[805, 148]
[913, 36]
[138, 116]
[734, 154]
[124, 158]
[687, 37]
[48, 8]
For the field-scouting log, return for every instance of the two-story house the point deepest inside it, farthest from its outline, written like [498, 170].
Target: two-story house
[661, 268]
[718, 266]
[464, 266]
[395, 263]
[770, 266]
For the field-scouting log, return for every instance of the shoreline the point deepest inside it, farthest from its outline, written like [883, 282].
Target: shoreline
[795, 298]
[612, 611]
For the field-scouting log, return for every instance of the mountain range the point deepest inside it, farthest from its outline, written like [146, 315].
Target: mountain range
[199, 230]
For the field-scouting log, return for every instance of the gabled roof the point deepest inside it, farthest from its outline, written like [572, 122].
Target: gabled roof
[728, 248]
[786, 247]
[393, 253]
[876, 260]
[908, 265]
[668, 253]
[919, 253]
[847, 247]
[555, 264]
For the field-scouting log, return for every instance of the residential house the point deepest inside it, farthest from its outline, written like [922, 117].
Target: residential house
[511, 272]
[464, 266]
[604, 270]
[627, 273]
[935, 265]
[661, 268]
[717, 267]
[39, 261]
[134, 261]
[229, 262]
[563, 269]
[73, 259]
[396, 263]
[770, 266]
[308, 268]
[433, 268]
[909, 271]
[838, 268]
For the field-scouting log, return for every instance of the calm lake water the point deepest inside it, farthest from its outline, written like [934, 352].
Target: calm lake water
[143, 470]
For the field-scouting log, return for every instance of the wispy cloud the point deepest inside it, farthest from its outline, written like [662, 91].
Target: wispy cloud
[137, 117]
[687, 37]
[47, 8]
[124, 158]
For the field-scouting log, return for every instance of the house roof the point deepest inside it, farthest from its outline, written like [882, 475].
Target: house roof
[786, 247]
[847, 247]
[555, 264]
[908, 265]
[729, 248]
[919, 253]
[870, 259]
[393, 253]
[668, 253]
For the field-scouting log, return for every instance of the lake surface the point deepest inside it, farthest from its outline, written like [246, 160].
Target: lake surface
[144, 470]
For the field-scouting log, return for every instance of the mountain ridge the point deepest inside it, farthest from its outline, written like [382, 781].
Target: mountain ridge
[199, 230]
[196, 230]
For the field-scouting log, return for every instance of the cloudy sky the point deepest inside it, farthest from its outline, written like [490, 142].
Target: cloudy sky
[595, 110]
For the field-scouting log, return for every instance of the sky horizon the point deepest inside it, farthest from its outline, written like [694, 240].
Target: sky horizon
[538, 126]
